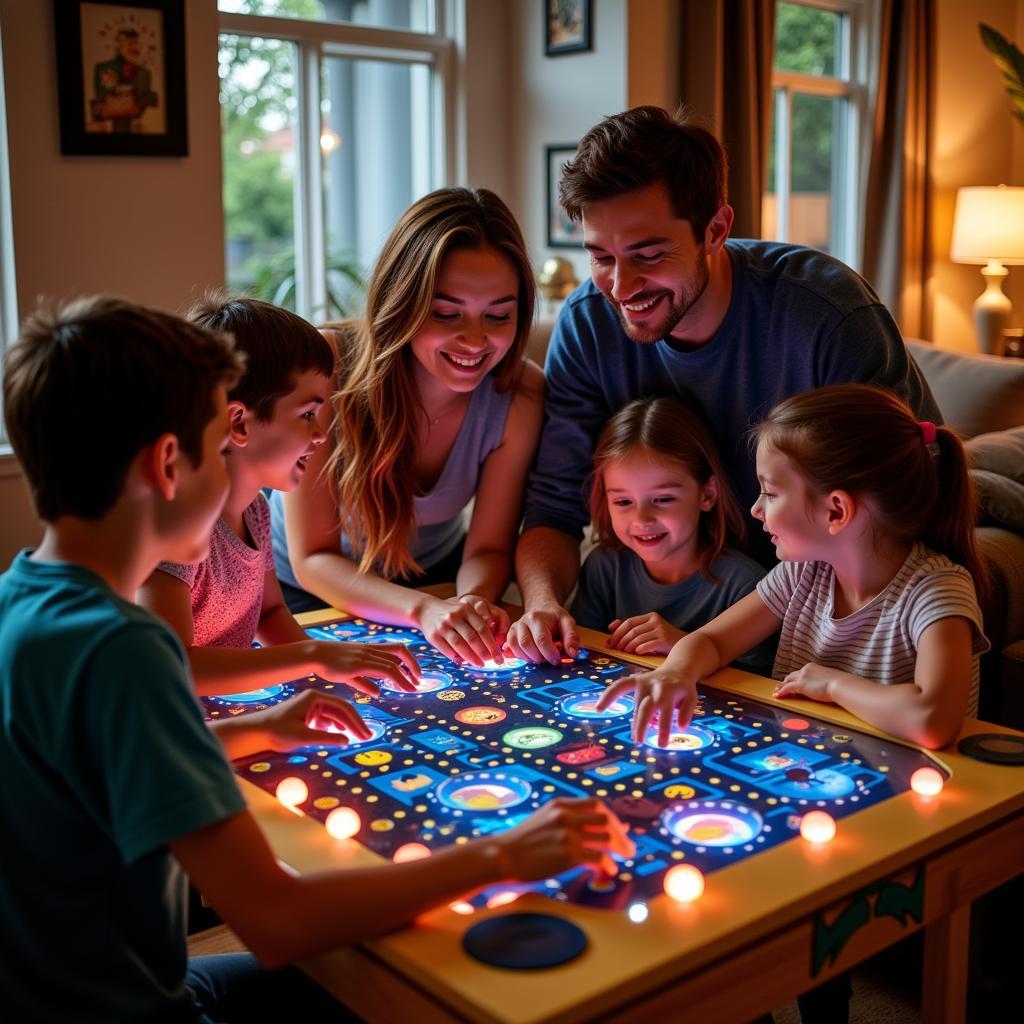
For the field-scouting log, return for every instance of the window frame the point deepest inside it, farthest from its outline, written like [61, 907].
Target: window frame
[317, 40]
[850, 159]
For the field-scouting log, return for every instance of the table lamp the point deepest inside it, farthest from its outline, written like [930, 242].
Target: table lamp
[988, 228]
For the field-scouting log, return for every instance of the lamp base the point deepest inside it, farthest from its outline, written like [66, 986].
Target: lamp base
[992, 310]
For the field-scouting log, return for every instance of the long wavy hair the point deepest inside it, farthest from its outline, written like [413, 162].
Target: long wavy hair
[865, 440]
[665, 428]
[378, 406]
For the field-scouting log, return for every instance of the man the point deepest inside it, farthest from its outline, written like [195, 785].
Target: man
[676, 308]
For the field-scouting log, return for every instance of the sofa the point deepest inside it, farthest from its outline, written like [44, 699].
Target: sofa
[982, 398]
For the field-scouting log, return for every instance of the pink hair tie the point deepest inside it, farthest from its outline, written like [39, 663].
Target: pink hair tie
[928, 432]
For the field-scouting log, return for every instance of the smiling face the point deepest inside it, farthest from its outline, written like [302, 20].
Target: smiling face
[786, 508]
[276, 452]
[472, 319]
[646, 262]
[655, 506]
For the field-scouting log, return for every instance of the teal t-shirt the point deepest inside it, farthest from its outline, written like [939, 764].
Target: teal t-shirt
[615, 585]
[104, 759]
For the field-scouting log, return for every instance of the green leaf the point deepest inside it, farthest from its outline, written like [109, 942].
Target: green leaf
[1010, 61]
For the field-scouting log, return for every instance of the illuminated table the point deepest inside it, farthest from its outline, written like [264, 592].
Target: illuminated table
[767, 928]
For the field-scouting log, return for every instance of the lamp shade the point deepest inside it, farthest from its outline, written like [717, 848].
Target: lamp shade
[988, 225]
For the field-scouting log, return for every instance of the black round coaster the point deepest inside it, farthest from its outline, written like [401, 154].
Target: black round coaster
[996, 747]
[524, 942]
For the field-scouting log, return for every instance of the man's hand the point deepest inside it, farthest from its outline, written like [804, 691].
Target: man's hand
[534, 636]
[663, 692]
[643, 634]
[359, 664]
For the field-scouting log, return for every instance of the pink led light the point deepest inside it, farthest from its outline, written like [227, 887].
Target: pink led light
[343, 823]
[927, 782]
[292, 791]
[818, 827]
[411, 851]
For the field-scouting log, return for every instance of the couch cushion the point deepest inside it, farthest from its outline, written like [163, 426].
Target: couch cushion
[977, 394]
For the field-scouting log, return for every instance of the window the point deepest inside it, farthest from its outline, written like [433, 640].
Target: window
[336, 115]
[819, 113]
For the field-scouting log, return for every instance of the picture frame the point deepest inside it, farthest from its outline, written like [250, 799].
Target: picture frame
[566, 27]
[562, 233]
[121, 84]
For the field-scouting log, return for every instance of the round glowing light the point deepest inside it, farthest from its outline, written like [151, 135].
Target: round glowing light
[265, 693]
[796, 724]
[490, 665]
[411, 851]
[927, 782]
[637, 912]
[502, 898]
[429, 682]
[343, 823]
[462, 907]
[584, 705]
[292, 791]
[684, 883]
[818, 827]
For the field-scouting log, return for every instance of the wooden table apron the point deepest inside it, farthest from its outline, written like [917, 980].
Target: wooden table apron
[766, 928]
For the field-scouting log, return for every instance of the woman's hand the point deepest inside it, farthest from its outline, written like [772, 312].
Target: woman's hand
[459, 631]
[308, 718]
[493, 614]
[360, 664]
[643, 634]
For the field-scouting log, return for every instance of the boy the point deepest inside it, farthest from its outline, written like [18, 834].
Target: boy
[219, 605]
[112, 783]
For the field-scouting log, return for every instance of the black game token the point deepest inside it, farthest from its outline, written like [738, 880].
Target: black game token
[525, 942]
[996, 747]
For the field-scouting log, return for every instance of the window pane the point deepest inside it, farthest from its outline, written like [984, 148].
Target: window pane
[806, 39]
[811, 178]
[410, 15]
[258, 110]
[378, 145]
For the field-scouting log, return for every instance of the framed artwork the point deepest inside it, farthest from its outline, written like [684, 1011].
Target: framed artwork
[562, 232]
[566, 26]
[121, 77]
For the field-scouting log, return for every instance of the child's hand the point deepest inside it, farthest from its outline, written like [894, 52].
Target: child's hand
[643, 634]
[494, 615]
[308, 718]
[459, 632]
[812, 681]
[562, 834]
[359, 664]
[664, 692]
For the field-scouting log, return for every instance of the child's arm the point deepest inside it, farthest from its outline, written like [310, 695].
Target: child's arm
[311, 519]
[672, 688]
[487, 557]
[223, 670]
[929, 711]
[283, 918]
[277, 625]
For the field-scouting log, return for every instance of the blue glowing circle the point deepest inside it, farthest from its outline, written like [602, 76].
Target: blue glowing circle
[717, 823]
[584, 705]
[377, 729]
[253, 696]
[429, 682]
[693, 737]
[483, 792]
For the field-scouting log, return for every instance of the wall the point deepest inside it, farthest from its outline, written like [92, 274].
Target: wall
[555, 100]
[977, 141]
[150, 227]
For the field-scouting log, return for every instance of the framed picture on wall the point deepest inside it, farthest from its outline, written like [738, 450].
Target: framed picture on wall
[121, 77]
[566, 26]
[562, 232]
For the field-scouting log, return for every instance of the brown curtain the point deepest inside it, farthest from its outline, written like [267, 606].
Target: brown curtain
[725, 69]
[897, 207]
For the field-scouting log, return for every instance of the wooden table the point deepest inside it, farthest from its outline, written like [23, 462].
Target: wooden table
[765, 930]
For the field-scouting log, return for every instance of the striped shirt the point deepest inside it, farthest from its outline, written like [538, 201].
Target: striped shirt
[879, 641]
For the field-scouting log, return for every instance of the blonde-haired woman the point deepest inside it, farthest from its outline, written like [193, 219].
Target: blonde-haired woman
[436, 405]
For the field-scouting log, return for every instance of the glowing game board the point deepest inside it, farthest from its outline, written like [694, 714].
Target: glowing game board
[476, 750]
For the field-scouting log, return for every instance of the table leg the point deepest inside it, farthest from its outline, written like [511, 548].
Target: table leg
[944, 984]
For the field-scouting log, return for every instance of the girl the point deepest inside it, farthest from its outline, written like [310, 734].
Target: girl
[663, 517]
[436, 405]
[872, 515]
